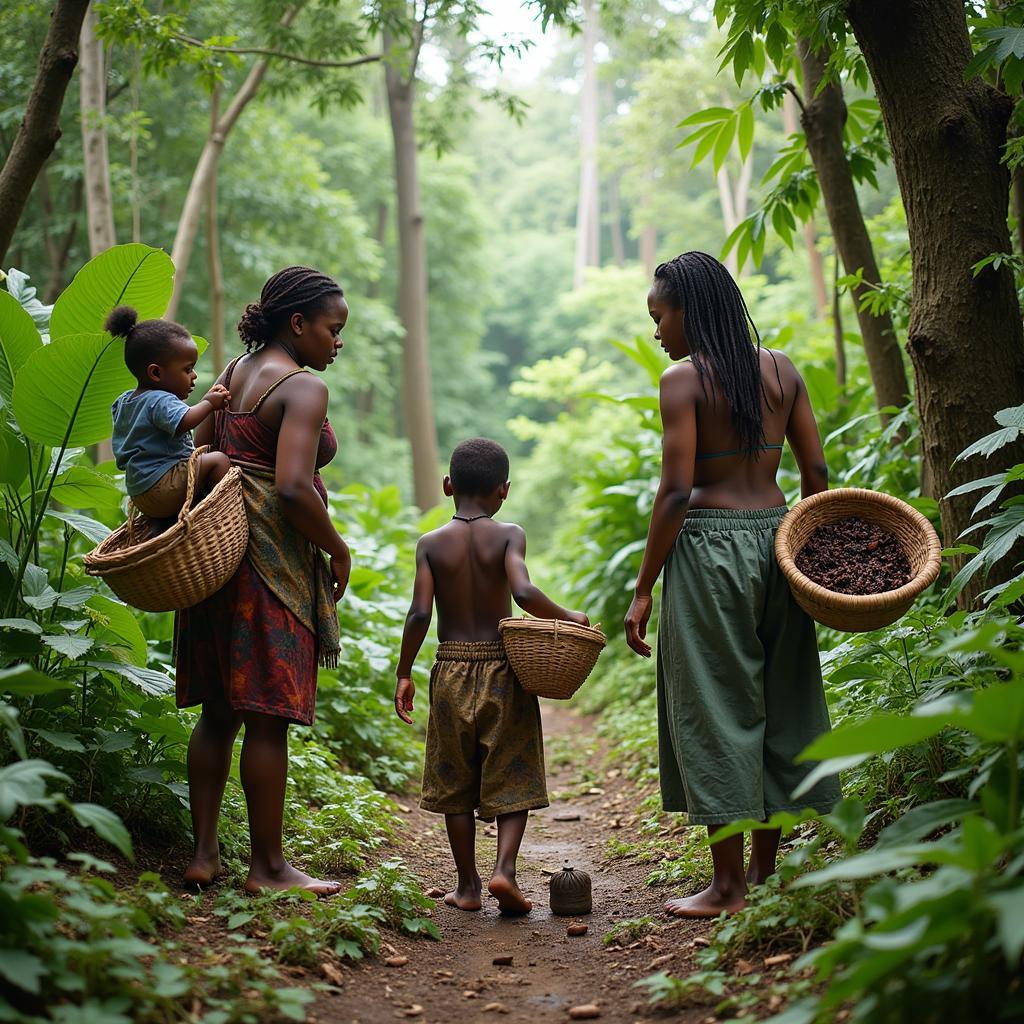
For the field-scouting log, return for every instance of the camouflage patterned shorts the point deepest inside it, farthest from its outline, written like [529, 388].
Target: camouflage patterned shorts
[485, 748]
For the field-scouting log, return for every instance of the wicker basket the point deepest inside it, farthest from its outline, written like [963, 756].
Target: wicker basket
[551, 658]
[855, 613]
[175, 569]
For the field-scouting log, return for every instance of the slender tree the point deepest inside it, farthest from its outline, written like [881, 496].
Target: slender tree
[815, 263]
[40, 128]
[823, 114]
[417, 392]
[99, 203]
[588, 210]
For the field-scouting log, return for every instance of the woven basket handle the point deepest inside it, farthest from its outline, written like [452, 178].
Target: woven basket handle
[193, 472]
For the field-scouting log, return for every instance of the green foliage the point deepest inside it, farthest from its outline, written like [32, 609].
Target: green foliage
[394, 890]
[622, 933]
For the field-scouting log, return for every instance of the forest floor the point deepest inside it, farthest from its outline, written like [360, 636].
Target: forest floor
[550, 972]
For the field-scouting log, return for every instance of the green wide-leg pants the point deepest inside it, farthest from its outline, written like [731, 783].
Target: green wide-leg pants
[739, 678]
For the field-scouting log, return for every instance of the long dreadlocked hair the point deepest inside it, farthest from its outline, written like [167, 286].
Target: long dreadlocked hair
[718, 332]
[292, 290]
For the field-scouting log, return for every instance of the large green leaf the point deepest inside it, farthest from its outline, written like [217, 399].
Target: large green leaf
[13, 456]
[18, 340]
[83, 372]
[23, 680]
[125, 275]
[106, 824]
[120, 630]
[874, 735]
[80, 487]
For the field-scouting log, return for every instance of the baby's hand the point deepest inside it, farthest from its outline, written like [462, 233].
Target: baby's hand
[218, 396]
[579, 618]
[405, 690]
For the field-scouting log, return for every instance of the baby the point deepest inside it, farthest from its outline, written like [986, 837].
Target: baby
[152, 441]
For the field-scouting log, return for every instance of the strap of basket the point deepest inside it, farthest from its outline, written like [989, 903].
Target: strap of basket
[185, 515]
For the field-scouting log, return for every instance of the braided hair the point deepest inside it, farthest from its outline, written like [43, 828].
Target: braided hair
[292, 290]
[718, 332]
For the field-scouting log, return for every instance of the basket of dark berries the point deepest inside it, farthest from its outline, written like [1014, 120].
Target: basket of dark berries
[856, 559]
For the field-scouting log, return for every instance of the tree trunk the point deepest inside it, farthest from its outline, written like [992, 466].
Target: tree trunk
[412, 287]
[946, 134]
[40, 129]
[99, 204]
[837, 331]
[733, 203]
[814, 261]
[57, 248]
[133, 152]
[824, 114]
[1017, 187]
[588, 244]
[191, 211]
[615, 216]
[214, 268]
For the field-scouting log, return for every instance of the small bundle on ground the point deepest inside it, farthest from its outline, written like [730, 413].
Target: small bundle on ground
[856, 559]
[551, 658]
[166, 570]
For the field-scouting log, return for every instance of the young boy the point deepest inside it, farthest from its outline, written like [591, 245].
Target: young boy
[151, 440]
[485, 750]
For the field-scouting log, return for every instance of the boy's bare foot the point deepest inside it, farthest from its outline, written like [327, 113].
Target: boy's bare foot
[289, 878]
[708, 903]
[203, 871]
[465, 897]
[509, 896]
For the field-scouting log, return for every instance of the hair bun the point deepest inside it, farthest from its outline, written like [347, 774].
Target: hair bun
[121, 321]
[254, 327]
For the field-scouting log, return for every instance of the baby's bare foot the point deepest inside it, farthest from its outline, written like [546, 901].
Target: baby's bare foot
[203, 870]
[289, 878]
[465, 897]
[509, 896]
[708, 903]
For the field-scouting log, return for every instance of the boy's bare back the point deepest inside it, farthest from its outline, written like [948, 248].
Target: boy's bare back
[469, 563]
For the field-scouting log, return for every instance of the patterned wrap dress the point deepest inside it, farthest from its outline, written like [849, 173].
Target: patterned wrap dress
[256, 643]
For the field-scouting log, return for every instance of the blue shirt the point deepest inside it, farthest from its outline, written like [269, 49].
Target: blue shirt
[145, 439]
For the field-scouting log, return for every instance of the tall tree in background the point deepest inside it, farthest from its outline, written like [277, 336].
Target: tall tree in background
[40, 128]
[588, 209]
[823, 114]
[417, 392]
[99, 203]
[947, 133]
[815, 263]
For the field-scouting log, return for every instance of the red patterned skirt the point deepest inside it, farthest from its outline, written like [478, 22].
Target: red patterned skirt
[243, 647]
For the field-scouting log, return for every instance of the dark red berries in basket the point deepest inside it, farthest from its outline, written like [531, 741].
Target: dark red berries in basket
[852, 556]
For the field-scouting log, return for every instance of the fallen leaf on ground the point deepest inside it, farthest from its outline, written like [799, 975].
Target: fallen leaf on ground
[505, 960]
[587, 1011]
[332, 974]
[434, 893]
[781, 958]
[658, 961]
[442, 973]
[396, 961]
[414, 1011]
[469, 994]
[576, 929]
[744, 967]
[404, 809]
[700, 941]
[567, 816]
[495, 1008]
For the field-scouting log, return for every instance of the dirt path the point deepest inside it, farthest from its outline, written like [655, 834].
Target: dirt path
[457, 980]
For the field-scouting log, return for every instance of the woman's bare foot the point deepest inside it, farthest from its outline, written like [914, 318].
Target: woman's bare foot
[509, 896]
[289, 878]
[203, 871]
[465, 897]
[708, 903]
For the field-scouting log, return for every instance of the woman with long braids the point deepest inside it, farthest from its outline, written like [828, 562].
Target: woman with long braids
[249, 654]
[739, 682]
